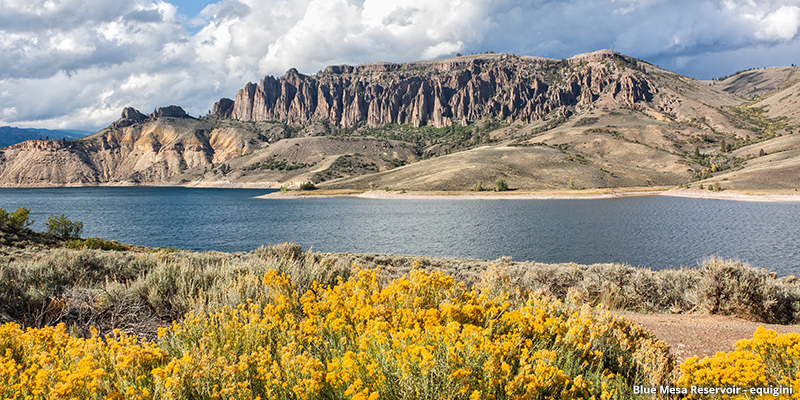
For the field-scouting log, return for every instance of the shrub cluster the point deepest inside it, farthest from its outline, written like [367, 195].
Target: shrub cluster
[138, 292]
[420, 336]
[768, 362]
[97, 244]
[307, 186]
[279, 322]
[62, 226]
[18, 218]
[726, 287]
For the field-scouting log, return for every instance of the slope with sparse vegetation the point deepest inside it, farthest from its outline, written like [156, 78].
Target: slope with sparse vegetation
[600, 120]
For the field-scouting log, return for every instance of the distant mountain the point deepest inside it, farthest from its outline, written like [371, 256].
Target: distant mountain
[10, 135]
[596, 120]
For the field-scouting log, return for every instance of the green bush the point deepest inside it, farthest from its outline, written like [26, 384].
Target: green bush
[62, 226]
[97, 244]
[19, 218]
[500, 185]
[478, 187]
[307, 186]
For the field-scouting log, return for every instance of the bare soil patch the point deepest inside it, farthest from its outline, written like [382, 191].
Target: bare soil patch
[737, 195]
[700, 335]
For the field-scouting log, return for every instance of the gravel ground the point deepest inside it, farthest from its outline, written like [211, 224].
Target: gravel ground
[701, 335]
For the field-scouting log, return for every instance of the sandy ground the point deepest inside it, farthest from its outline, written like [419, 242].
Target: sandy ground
[700, 335]
[487, 195]
[736, 195]
[739, 195]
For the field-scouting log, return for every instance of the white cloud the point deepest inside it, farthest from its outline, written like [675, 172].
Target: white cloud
[342, 31]
[441, 49]
[782, 24]
[77, 63]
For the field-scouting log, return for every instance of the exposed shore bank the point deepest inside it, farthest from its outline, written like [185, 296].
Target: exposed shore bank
[757, 195]
[737, 195]
[202, 185]
[733, 195]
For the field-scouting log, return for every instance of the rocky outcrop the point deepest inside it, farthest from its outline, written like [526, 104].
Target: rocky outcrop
[438, 93]
[223, 108]
[137, 148]
[170, 146]
[131, 115]
[631, 88]
[169, 111]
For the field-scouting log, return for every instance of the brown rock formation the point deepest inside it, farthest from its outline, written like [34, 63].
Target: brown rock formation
[439, 93]
[169, 111]
[132, 116]
[223, 108]
[631, 124]
[129, 117]
[632, 88]
[134, 149]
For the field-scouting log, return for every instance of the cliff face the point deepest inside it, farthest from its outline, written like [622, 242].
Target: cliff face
[137, 148]
[168, 146]
[600, 119]
[439, 93]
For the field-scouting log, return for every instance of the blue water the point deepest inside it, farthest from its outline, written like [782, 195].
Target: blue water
[655, 232]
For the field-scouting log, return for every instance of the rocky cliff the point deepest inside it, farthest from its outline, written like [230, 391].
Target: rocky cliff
[131, 115]
[137, 148]
[595, 120]
[440, 93]
[168, 146]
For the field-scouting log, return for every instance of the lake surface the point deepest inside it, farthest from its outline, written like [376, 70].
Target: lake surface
[655, 232]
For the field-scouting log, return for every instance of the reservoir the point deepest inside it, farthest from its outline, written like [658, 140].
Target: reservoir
[655, 231]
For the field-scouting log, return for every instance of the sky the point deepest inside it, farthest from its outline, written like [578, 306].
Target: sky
[75, 64]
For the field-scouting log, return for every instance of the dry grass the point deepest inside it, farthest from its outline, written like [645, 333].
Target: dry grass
[137, 292]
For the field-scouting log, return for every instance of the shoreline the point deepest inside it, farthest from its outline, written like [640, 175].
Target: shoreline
[752, 195]
[590, 194]
[206, 185]
[466, 195]
[762, 196]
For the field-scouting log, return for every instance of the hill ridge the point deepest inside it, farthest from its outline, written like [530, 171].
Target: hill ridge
[440, 93]
[596, 120]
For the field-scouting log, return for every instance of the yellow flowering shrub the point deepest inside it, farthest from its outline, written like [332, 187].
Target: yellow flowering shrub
[768, 363]
[420, 336]
[48, 363]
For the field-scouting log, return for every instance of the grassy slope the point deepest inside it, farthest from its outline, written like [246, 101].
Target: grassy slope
[775, 112]
[610, 145]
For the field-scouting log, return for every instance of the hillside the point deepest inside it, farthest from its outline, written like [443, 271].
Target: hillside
[596, 120]
[11, 135]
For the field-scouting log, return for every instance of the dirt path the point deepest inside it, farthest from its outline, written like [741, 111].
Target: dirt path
[701, 335]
